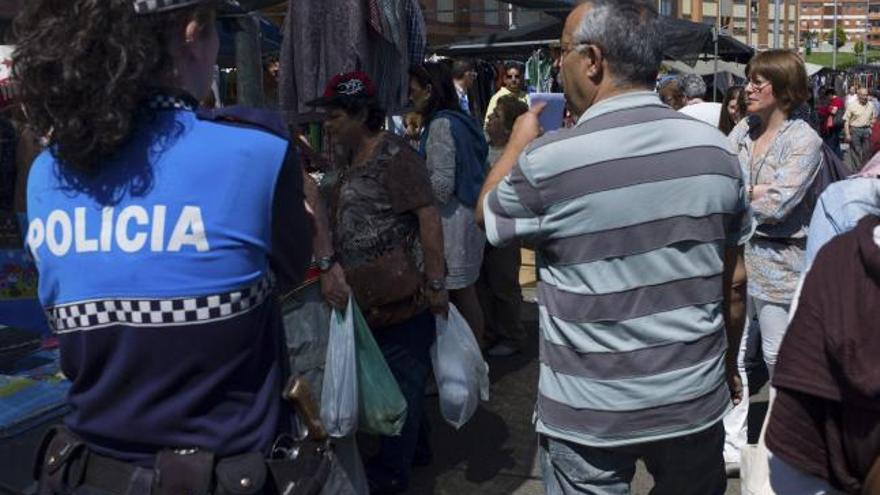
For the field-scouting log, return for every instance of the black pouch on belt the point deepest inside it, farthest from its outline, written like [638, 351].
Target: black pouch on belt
[244, 474]
[61, 461]
[189, 472]
[304, 469]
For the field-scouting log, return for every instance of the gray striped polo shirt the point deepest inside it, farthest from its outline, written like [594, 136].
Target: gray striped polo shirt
[630, 213]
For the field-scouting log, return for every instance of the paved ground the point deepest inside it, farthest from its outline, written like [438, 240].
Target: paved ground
[495, 453]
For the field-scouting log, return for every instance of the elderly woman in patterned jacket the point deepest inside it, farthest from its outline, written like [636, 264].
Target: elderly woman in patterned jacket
[389, 240]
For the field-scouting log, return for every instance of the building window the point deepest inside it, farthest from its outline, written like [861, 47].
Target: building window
[491, 8]
[446, 11]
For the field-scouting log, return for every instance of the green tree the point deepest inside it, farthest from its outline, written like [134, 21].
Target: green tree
[841, 37]
[859, 48]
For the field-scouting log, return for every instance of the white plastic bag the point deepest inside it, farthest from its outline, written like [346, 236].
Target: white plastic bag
[461, 373]
[339, 393]
[754, 462]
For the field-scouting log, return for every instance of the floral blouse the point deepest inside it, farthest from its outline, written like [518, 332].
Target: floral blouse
[775, 255]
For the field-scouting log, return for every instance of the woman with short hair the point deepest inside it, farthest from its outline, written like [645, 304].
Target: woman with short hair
[781, 156]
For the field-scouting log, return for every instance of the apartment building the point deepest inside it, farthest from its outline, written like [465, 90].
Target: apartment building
[750, 21]
[860, 19]
[456, 20]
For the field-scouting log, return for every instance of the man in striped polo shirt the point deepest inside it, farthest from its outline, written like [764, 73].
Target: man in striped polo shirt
[637, 215]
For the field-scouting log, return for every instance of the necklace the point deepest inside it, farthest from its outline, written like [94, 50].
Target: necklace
[753, 175]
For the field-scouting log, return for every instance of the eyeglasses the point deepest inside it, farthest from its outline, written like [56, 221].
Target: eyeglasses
[757, 87]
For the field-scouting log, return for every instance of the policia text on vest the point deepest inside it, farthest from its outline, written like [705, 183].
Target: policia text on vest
[130, 230]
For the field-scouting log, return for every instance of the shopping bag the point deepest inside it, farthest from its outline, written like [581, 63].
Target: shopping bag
[461, 372]
[754, 463]
[339, 393]
[382, 406]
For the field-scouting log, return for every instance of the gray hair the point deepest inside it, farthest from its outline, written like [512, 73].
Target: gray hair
[693, 86]
[628, 33]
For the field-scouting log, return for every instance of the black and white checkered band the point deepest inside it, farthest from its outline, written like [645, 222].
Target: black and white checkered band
[155, 6]
[170, 102]
[92, 315]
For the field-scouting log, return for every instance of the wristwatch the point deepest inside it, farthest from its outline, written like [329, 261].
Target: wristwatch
[325, 263]
[437, 284]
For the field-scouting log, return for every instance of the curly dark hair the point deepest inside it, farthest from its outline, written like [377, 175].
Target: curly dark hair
[85, 66]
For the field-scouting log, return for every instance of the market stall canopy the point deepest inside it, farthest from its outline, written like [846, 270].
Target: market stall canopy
[250, 5]
[813, 68]
[707, 68]
[516, 41]
[683, 40]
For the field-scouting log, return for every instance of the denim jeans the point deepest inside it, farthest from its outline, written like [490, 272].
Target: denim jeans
[789, 480]
[689, 465]
[406, 348]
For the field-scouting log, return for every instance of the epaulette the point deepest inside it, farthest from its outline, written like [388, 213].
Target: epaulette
[266, 120]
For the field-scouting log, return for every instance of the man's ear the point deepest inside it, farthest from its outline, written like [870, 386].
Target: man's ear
[593, 59]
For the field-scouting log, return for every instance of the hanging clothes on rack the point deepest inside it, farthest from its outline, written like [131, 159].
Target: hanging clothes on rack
[483, 88]
[321, 39]
[539, 73]
[390, 52]
[417, 36]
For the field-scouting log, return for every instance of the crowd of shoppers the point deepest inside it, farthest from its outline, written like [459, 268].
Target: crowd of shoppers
[667, 229]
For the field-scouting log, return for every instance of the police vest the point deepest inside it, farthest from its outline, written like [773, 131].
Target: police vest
[154, 272]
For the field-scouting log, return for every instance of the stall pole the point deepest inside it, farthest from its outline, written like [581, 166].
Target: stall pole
[834, 39]
[249, 61]
[715, 75]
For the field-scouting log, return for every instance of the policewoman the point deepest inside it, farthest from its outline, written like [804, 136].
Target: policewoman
[156, 233]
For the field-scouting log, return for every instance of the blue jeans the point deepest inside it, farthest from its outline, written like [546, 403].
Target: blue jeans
[689, 465]
[406, 347]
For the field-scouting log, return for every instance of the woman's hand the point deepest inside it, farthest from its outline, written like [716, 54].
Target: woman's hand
[334, 288]
[439, 301]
